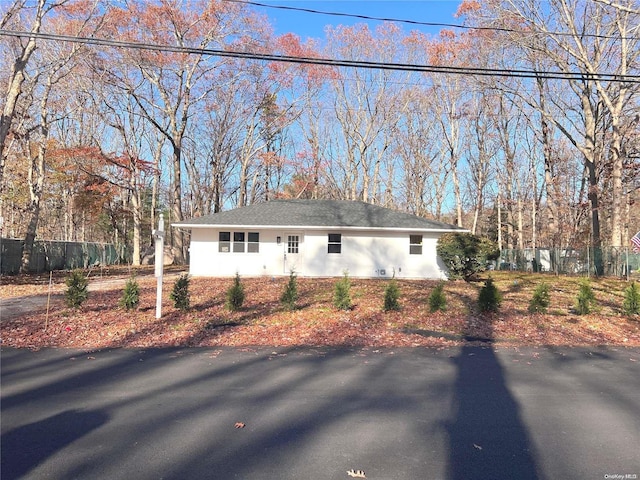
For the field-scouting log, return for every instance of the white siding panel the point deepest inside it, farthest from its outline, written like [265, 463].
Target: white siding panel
[207, 261]
[372, 254]
[363, 254]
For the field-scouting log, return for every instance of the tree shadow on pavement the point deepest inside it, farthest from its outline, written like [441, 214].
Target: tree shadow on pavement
[25, 447]
[487, 437]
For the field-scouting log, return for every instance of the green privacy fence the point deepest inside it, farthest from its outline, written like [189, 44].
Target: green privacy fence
[54, 255]
[610, 261]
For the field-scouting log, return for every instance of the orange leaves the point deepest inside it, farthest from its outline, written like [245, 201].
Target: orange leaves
[71, 155]
[77, 7]
[269, 159]
[466, 7]
[450, 49]
[290, 45]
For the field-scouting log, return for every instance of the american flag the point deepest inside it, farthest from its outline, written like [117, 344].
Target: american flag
[635, 242]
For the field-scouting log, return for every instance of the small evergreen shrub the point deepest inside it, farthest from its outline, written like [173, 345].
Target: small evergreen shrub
[437, 300]
[585, 300]
[541, 299]
[130, 295]
[180, 292]
[631, 303]
[77, 289]
[235, 294]
[490, 298]
[342, 293]
[392, 296]
[290, 294]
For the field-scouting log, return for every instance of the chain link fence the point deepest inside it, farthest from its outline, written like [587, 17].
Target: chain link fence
[611, 261]
[55, 255]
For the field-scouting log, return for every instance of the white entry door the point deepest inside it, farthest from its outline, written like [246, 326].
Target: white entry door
[292, 252]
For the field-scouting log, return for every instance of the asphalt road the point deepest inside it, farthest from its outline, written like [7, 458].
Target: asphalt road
[463, 413]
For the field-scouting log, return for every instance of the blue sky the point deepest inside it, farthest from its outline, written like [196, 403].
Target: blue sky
[312, 24]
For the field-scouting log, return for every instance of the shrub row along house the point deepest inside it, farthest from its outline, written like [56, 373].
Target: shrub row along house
[315, 238]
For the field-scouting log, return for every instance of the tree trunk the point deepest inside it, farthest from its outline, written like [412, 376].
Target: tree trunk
[456, 189]
[36, 179]
[499, 219]
[36, 183]
[14, 89]
[534, 205]
[520, 204]
[177, 234]
[155, 185]
[593, 197]
[136, 207]
[616, 187]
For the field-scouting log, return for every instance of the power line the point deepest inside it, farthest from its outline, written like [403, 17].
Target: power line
[488, 72]
[424, 24]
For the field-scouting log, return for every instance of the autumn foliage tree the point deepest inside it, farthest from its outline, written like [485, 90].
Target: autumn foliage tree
[96, 140]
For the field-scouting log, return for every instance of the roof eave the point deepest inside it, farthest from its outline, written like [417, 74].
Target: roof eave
[316, 227]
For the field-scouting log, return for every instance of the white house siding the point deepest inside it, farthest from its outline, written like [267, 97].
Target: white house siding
[363, 254]
[372, 254]
[207, 261]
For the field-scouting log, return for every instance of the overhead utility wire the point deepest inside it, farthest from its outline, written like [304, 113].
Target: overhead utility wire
[492, 72]
[425, 24]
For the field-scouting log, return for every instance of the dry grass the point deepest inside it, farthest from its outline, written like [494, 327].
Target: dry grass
[100, 323]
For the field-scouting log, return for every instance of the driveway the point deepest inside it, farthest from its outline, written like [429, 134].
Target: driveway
[459, 413]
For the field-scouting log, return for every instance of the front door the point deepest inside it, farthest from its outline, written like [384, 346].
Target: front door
[292, 252]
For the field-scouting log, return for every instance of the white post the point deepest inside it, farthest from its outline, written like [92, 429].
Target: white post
[159, 263]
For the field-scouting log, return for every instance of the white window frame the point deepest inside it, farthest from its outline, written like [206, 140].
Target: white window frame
[333, 243]
[415, 246]
[224, 246]
[239, 241]
[253, 246]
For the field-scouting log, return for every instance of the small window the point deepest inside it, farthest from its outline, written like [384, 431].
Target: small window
[224, 242]
[238, 242]
[335, 243]
[253, 245]
[415, 244]
[293, 243]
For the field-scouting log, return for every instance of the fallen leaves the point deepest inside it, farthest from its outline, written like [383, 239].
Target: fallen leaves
[356, 473]
[100, 323]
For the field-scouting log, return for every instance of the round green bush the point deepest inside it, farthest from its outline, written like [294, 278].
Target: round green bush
[465, 254]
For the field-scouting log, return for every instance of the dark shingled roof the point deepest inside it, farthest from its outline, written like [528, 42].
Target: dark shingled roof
[317, 213]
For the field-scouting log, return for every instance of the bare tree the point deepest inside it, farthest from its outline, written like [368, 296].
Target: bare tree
[35, 139]
[175, 83]
[367, 107]
[24, 50]
[594, 38]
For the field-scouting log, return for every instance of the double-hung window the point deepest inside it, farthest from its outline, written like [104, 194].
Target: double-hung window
[335, 243]
[224, 242]
[242, 242]
[415, 244]
[253, 243]
[238, 242]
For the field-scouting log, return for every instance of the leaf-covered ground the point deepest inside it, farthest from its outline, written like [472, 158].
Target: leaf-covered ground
[100, 323]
